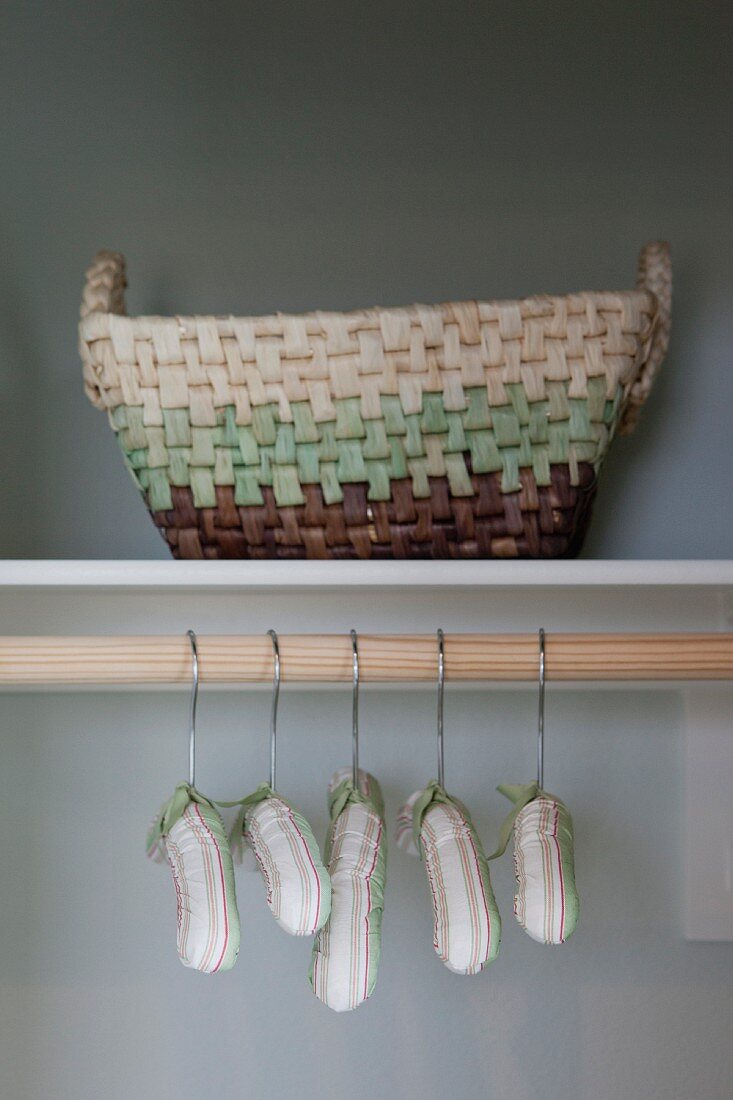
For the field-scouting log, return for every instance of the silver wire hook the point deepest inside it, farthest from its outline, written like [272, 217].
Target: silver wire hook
[541, 715]
[273, 709]
[355, 709]
[441, 684]
[192, 710]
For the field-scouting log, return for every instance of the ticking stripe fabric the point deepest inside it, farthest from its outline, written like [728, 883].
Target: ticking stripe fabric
[298, 888]
[191, 832]
[546, 900]
[346, 952]
[467, 925]
[404, 833]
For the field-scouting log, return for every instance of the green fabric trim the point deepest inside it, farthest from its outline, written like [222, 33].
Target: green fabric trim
[520, 794]
[172, 811]
[346, 792]
[434, 793]
[344, 795]
[259, 795]
[263, 792]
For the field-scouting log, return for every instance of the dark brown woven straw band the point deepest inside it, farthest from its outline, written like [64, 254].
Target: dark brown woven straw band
[539, 521]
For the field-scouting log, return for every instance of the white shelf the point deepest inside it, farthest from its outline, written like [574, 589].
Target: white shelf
[263, 575]
[168, 597]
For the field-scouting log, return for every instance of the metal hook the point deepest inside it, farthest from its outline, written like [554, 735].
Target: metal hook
[192, 710]
[441, 683]
[355, 709]
[273, 709]
[541, 715]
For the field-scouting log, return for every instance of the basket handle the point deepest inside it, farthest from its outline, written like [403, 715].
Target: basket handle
[655, 275]
[104, 289]
[103, 293]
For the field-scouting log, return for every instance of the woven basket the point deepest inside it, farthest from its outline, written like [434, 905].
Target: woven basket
[466, 430]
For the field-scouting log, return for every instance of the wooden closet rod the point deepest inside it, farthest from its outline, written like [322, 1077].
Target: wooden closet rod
[166, 659]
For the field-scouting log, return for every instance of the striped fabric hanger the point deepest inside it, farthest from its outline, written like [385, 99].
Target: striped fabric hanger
[435, 825]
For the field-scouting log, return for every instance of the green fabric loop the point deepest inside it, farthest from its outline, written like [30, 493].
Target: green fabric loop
[520, 794]
[263, 791]
[172, 811]
[432, 793]
[346, 793]
[261, 794]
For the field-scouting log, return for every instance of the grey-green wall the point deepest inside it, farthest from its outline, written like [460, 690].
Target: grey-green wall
[254, 156]
[94, 1004]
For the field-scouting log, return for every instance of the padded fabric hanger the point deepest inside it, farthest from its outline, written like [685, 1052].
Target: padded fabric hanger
[546, 899]
[189, 832]
[347, 950]
[297, 885]
[435, 825]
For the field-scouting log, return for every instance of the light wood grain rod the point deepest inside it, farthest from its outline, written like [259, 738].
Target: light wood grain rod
[165, 659]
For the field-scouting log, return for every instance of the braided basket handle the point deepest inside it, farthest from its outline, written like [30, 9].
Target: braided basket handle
[104, 293]
[104, 289]
[655, 275]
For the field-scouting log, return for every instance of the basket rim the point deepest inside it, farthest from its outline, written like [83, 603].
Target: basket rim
[535, 305]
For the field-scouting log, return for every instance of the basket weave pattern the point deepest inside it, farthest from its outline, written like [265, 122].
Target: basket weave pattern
[471, 429]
